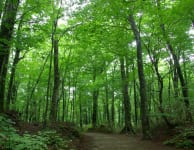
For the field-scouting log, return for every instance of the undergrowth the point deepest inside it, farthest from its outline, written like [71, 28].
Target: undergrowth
[184, 139]
[43, 140]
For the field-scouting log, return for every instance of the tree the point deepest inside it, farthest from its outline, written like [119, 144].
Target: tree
[7, 28]
[177, 66]
[143, 90]
[54, 40]
[127, 105]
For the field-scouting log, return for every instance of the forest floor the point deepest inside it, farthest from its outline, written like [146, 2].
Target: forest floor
[101, 141]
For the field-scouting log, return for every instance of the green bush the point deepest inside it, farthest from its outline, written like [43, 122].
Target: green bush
[11, 140]
[54, 140]
[185, 139]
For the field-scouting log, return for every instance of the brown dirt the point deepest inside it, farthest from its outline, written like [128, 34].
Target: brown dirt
[100, 141]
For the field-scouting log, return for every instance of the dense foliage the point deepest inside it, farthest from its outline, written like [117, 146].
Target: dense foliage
[122, 64]
[43, 140]
[184, 138]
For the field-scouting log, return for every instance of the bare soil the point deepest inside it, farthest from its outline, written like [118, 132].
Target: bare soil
[101, 141]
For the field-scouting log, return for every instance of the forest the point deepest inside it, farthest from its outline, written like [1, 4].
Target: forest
[71, 67]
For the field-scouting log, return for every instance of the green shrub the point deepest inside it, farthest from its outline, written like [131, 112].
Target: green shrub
[11, 140]
[185, 139]
[54, 140]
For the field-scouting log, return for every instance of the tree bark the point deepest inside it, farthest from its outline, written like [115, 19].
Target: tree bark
[107, 102]
[6, 31]
[95, 108]
[48, 89]
[64, 99]
[143, 90]
[80, 110]
[95, 102]
[135, 96]
[127, 106]
[10, 92]
[53, 113]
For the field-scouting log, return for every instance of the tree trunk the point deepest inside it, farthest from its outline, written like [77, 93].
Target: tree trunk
[113, 109]
[135, 95]
[143, 90]
[73, 106]
[107, 102]
[1, 7]
[113, 98]
[127, 106]
[27, 105]
[95, 102]
[95, 108]
[10, 92]
[68, 100]
[80, 110]
[48, 89]
[6, 31]
[175, 83]
[53, 112]
[64, 99]
[119, 113]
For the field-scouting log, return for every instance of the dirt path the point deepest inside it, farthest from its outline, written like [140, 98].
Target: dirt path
[99, 141]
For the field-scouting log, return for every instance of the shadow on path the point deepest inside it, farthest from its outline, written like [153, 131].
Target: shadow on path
[100, 141]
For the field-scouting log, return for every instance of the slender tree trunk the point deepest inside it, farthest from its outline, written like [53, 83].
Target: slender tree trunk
[1, 7]
[10, 91]
[53, 113]
[135, 96]
[29, 99]
[73, 106]
[143, 90]
[127, 106]
[169, 88]
[80, 110]
[14, 93]
[48, 89]
[27, 105]
[64, 100]
[107, 103]
[95, 108]
[6, 31]
[75, 100]
[68, 116]
[95, 94]
[119, 113]
[113, 98]
[175, 83]
[113, 109]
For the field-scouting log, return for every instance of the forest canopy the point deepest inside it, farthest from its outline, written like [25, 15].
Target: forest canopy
[125, 64]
